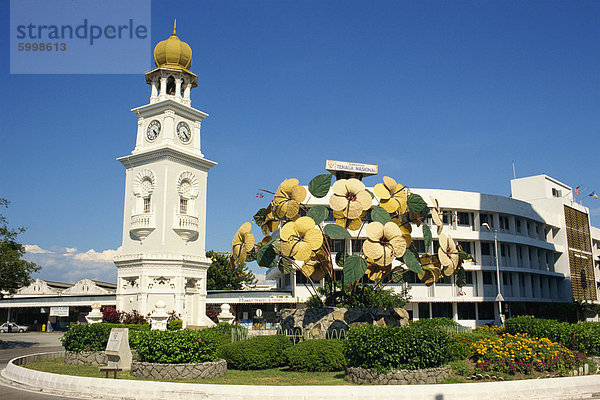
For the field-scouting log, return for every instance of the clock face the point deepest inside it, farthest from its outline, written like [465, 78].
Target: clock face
[153, 130]
[184, 133]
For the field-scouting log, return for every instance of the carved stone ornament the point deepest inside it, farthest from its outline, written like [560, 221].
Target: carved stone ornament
[187, 185]
[144, 183]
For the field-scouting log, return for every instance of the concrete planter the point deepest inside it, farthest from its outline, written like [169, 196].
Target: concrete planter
[178, 371]
[321, 323]
[398, 377]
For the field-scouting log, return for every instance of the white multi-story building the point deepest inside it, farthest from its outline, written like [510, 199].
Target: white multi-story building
[544, 244]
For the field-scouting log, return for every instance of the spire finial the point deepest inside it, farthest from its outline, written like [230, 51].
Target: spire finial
[174, 27]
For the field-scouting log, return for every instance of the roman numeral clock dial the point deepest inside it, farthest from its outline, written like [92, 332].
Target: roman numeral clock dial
[153, 130]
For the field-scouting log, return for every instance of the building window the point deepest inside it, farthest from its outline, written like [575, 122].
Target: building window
[419, 245]
[518, 225]
[441, 310]
[487, 278]
[469, 277]
[146, 205]
[466, 310]
[520, 253]
[486, 219]
[300, 278]
[182, 206]
[287, 280]
[486, 310]
[507, 278]
[466, 246]
[486, 249]
[424, 310]
[337, 245]
[463, 218]
[504, 224]
[446, 216]
[411, 277]
[357, 245]
[556, 192]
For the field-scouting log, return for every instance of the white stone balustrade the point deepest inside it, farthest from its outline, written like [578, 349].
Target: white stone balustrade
[142, 225]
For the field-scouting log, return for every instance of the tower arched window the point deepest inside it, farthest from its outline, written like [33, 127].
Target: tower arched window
[171, 86]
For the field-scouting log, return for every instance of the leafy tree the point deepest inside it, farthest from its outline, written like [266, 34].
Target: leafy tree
[225, 276]
[14, 271]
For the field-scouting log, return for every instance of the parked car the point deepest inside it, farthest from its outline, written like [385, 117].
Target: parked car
[12, 327]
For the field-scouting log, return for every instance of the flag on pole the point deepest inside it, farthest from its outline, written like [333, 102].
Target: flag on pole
[594, 195]
[577, 191]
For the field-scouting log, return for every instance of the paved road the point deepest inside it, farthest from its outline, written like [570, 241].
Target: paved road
[19, 344]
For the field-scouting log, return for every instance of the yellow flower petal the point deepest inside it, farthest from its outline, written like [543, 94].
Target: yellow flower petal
[399, 246]
[354, 210]
[365, 199]
[381, 191]
[314, 238]
[338, 202]
[288, 184]
[299, 193]
[339, 187]
[288, 230]
[248, 241]
[372, 249]
[245, 228]
[390, 183]
[289, 249]
[291, 208]
[304, 251]
[374, 231]
[353, 185]
[390, 205]
[354, 224]
[391, 230]
[304, 224]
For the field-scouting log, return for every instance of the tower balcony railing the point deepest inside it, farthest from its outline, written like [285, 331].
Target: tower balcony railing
[186, 226]
[142, 225]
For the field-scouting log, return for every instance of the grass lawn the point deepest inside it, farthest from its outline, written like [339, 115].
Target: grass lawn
[273, 377]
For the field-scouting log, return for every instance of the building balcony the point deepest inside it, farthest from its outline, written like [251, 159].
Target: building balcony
[142, 225]
[186, 226]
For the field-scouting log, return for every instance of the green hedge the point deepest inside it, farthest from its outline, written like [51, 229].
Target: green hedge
[581, 336]
[93, 337]
[259, 352]
[316, 355]
[388, 348]
[183, 346]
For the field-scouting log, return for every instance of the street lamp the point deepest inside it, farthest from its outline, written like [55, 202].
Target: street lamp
[499, 297]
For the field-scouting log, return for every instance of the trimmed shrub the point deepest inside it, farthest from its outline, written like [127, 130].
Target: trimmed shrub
[174, 347]
[175, 325]
[585, 338]
[260, 352]
[389, 348]
[316, 355]
[434, 322]
[93, 337]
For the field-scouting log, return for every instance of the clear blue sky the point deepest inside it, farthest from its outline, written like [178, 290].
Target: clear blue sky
[439, 94]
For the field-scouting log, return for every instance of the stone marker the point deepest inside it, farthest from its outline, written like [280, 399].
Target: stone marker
[117, 350]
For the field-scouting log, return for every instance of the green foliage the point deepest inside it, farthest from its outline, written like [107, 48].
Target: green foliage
[223, 276]
[440, 322]
[260, 216]
[335, 231]
[266, 256]
[412, 262]
[389, 348]
[427, 235]
[363, 296]
[460, 367]
[319, 185]
[416, 204]
[354, 268]
[318, 213]
[581, 336]
[316, 355]
[93, 337]
[14, 271]
[380, 215]
[175, 347]
[260, 352]
[175, 325]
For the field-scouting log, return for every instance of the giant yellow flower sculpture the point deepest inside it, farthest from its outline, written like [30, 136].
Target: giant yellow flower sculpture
[393, 195]
[436, 215]
[316, 267]
[352, 224]
[287, 199]
[448, 254]
[242, 243]
[350, 197]
[300, 238]
[384, 242]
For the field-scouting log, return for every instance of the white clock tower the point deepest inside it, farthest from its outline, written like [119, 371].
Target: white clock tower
[163, 256]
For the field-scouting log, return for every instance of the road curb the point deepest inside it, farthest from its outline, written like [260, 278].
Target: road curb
[99, 388]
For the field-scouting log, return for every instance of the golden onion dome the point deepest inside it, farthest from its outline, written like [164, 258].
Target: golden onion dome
[173, 53]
